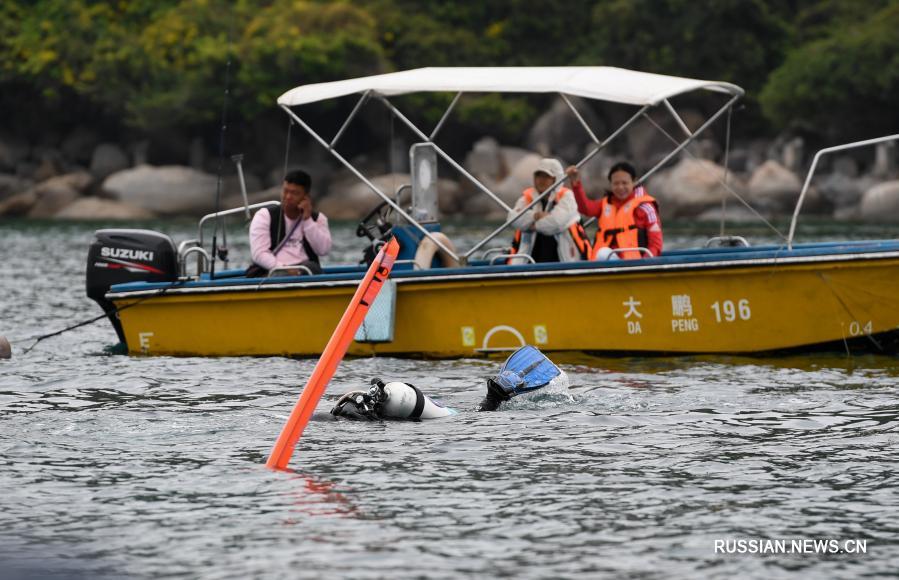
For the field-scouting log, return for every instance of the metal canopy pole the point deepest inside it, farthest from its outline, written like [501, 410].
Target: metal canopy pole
[579, 118]
[443, 154]
[352, 115]
[446, 114]
[540, 197]
[366, 181]
[677, 118]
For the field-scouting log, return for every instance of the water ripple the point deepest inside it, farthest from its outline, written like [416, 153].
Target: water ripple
[153, 467]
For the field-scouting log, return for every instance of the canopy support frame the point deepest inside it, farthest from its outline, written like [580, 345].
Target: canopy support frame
[677, 118]
[446, 157]
[349, 119]
[583, 123]
[688, 140]
[366, 181]
[443, 118]
[600, 145]
[539, 198]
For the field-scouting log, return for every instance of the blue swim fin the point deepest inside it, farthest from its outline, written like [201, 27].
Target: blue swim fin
[526, 370]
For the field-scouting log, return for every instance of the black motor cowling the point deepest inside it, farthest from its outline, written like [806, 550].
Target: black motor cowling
[117, 256]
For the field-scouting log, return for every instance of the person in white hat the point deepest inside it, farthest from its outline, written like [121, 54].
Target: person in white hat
[550, 231]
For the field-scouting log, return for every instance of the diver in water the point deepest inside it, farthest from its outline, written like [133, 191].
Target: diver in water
[394, 400]
[525, 371]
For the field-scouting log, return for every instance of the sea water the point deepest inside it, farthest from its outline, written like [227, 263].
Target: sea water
[680, 467]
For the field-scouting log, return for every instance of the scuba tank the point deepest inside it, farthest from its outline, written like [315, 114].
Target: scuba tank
[394, 400]
[525, 371]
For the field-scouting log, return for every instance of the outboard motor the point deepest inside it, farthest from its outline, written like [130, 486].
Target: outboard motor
[118, 256]
[525, 371]
[393, 400]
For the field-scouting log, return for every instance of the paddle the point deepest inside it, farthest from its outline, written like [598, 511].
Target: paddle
[332, 355]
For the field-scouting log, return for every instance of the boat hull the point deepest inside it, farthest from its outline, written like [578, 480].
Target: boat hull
[727, 306]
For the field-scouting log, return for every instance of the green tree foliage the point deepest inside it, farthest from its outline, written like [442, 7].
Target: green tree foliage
[730, 40]
[290, 43]
[421, 33]
[161, 64]
[846, 84]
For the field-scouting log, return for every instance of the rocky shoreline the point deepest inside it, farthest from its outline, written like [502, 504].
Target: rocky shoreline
[80, 179]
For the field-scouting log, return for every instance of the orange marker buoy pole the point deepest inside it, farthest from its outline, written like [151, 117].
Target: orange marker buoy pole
[332, 355]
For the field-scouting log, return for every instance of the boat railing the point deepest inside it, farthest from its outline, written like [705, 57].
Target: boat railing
[811, 172]
[184, 245]
[227, 212]
[182, 262]
[203, 258]
[491, 251]
[642, 250]
[289, 269]
[509, 257]
[730, 241]
[415, 265]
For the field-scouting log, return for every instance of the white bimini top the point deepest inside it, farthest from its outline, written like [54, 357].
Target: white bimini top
[602, 83]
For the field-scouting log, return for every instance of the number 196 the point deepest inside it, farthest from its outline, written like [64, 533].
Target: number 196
[728, 311]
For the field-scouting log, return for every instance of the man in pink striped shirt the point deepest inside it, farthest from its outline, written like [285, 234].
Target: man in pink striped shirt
[293, 234]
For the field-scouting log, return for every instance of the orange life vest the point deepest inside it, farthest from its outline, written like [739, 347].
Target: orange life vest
[576, 230]
[617, 227]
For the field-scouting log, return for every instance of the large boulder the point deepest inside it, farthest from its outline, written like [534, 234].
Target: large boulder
[94, 208]
[12, 184]
[775, 188]
[481, 206]
[885, 163]
[509, 158]
[107, 158]
[881, 203]
[521, 176]
[594, 173]
[166, 190]
[49, 163]
[505, 171]
[646, 145]
[19, 204]
[693, 186]
[558, 133]
[734, 211]
[352, 199]
[706, 149]
[484, 161]
[56, 193]
[845, 165]
[234, 198]
[842, 191]
[788, 149]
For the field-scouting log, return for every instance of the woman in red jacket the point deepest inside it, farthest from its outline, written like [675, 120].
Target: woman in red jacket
[628, 217]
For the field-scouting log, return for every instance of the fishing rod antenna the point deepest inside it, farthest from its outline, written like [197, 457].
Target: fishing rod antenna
[222, 251]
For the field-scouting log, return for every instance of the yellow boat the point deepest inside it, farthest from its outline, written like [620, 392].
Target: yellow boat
[732, 298]
[716, 301]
